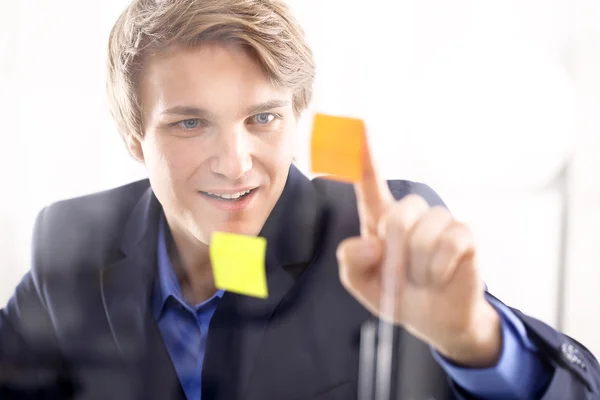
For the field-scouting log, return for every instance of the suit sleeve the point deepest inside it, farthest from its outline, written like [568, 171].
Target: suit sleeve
[576, 372]
[30, 364]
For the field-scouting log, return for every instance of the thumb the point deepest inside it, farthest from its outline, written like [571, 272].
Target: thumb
[359, 260]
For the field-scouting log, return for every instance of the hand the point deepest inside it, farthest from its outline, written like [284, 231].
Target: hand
[416, 266]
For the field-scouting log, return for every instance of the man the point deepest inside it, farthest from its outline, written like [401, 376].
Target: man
[120, 302]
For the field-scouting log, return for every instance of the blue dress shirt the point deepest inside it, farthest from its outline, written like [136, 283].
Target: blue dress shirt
[184, 328]
[519, 373]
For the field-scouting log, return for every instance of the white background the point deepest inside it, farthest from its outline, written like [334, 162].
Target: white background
[486, 101]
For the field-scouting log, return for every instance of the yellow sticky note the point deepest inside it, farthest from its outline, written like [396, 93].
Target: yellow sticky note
[238, 263]
[337, 147]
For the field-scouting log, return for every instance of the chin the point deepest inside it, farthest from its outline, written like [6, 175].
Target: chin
[240, 227]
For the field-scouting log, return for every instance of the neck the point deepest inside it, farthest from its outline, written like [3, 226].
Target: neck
[191, 262]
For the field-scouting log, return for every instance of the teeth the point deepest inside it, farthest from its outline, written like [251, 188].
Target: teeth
[232, 196]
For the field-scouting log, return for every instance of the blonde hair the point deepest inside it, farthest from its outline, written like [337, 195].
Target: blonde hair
[266, 27]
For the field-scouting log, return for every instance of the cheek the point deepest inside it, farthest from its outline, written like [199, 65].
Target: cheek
[174, 160]
[281, 151]
[276, 161]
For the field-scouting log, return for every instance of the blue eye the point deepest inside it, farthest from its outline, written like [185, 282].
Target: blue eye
[189, 123]
[264, 118]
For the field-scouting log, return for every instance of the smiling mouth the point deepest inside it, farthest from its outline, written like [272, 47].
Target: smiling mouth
[228, 197]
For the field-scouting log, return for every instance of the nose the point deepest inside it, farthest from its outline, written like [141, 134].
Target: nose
[233, 159]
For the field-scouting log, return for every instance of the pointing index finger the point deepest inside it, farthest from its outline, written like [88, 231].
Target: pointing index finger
[373, 195]
[340, 148]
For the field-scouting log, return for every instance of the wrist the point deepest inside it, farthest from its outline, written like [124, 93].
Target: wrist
[480, 346]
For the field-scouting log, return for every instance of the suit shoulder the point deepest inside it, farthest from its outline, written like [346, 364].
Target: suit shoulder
[339, 191]
[86, 226]
[99, 205]
[401, 188]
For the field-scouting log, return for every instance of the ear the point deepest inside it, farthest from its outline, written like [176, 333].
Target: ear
[135, 148]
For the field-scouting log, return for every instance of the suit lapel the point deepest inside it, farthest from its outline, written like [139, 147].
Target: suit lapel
[126, 290]
[240, 322]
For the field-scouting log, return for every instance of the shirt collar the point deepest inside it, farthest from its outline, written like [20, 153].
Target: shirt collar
[167, 284]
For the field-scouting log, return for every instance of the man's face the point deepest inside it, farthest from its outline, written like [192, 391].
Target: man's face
[218, 139]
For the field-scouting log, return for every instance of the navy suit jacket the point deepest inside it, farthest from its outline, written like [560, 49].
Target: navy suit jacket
[80, 326]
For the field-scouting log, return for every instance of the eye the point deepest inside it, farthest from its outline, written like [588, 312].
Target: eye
[263, 118]
[189, 123]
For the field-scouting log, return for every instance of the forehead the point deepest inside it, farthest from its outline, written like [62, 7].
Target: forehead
[211, 75]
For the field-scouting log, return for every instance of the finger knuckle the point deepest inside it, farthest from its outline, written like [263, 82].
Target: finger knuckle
[450, 242]
[415, 201]
[404, 213]
[440, 212]
[457, 238]
[463, 230]
[396, 216]
[401, 221]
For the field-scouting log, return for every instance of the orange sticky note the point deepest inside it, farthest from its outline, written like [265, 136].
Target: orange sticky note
[337, 147]
[238, 263]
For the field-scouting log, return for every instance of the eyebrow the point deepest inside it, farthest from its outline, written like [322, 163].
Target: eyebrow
[196, 112]
[187, 111]
[266, 106]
